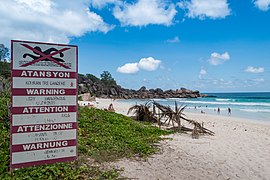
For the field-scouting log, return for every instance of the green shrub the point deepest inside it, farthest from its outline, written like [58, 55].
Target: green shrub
[4, 107]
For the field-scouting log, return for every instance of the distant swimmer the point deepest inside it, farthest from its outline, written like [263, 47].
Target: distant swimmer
[229, 111]
[218, 110]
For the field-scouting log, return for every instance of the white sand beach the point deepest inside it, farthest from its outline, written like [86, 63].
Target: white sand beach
[240, 149]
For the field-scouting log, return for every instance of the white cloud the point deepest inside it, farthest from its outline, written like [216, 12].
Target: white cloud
[102, 3]
[147, 64]
[217, 59]
[37, 5]
[202, 73]
[50, 20]
[213, 9]
[252, 69]
[129, 68]
[174, 40]
[145, 12]
[262, 4]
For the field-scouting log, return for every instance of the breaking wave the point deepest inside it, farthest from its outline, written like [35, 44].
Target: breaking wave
[256, 110]
[228, 103]
[219, 99]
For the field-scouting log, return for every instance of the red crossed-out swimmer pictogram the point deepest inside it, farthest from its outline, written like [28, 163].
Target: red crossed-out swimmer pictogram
[44, 57]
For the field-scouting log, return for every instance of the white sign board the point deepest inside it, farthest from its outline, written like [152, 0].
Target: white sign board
[44, 103]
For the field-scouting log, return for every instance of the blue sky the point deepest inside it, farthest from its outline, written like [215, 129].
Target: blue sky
[209, 45]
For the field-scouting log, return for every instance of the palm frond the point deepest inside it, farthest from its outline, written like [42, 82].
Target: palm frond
[142, 112]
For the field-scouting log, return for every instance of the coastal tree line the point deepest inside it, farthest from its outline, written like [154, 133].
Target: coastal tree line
[4, 62]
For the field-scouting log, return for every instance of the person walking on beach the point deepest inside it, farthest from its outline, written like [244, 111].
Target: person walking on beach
[229, 111]
[218, 110]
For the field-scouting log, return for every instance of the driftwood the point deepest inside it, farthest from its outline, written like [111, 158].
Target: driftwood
[183, 128]
[170, 116]
[176, 115]
[186, 129]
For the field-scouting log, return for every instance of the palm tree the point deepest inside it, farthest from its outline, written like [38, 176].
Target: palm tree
[171, 116]
[176, 116]
[142, 112]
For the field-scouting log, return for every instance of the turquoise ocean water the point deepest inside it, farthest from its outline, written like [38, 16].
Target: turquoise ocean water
[254, 106]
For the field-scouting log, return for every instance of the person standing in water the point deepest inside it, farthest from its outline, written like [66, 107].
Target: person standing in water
[229, 111]
[218, 110]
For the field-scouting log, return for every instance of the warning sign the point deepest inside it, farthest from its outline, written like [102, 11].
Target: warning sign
[44, 103]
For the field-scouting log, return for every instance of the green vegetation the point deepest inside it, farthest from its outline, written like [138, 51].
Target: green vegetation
[107, 79]
[4, 65]
[107, 136]
[4, 69]
[80, 98]
[4, 104]
[103, 136]
[4, 52]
